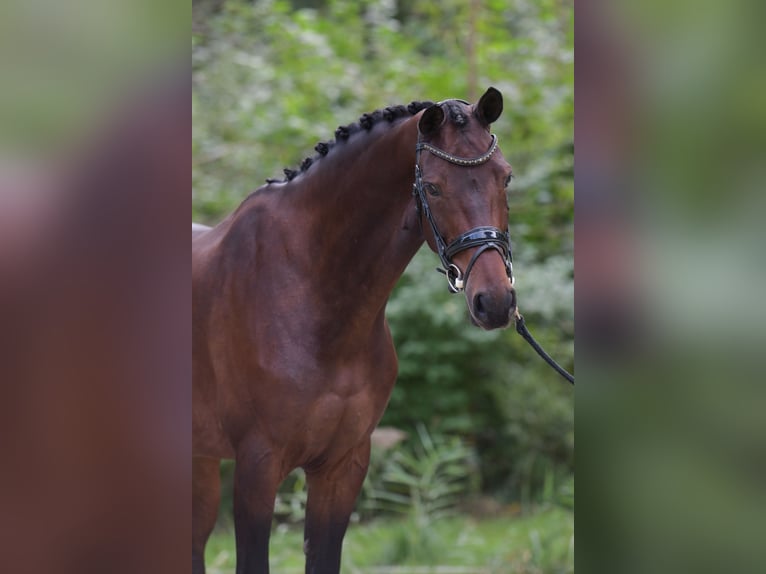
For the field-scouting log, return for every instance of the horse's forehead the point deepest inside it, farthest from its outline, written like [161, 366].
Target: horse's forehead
[462, 133]
[458, 113]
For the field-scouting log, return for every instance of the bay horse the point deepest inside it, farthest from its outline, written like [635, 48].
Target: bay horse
[293, 361]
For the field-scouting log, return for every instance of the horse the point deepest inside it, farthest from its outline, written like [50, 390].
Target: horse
[293, 361]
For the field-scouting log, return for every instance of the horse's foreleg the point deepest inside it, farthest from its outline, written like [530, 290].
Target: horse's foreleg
[206, 495]
[256, 479]
[332, 493]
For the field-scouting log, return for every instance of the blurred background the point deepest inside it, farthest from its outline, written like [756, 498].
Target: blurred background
[475, 466]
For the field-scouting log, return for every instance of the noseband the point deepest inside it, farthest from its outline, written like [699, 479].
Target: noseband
[484, 237]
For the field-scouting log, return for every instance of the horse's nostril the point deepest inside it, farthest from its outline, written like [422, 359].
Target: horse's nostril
[478, 305]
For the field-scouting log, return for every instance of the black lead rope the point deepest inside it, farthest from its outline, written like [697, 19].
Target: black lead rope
[521, 329]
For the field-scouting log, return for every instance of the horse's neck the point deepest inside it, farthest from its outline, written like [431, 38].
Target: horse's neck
[362, 222]
[336, 238]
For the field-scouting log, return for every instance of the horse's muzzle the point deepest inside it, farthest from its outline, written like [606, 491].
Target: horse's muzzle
[493, 309]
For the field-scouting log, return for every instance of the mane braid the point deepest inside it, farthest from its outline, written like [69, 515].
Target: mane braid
[323, 148]
[366, 123]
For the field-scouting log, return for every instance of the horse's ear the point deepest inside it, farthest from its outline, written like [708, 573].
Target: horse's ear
[490, 106]
[431, 120]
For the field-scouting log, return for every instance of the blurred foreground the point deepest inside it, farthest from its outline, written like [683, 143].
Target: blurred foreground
[94, 297]
[671, 326]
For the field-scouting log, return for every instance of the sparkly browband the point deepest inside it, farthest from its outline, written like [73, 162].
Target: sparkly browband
[464, 161]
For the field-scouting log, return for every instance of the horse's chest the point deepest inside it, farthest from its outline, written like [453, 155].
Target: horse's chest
[335, 424]
[342, 418]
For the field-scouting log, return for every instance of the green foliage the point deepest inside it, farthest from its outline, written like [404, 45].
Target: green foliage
[272, 77]
[424, 481]
[269, 80]
[535, 450]
[537, 543]
[290, 504]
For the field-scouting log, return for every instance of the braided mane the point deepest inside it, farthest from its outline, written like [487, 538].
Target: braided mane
[366, 122]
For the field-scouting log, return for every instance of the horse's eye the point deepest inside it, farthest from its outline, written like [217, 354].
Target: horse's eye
[433, 189]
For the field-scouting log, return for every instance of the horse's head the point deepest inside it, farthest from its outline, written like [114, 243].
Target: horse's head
[460, 184]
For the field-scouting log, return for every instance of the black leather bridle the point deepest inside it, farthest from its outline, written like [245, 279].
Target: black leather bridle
[484, 237]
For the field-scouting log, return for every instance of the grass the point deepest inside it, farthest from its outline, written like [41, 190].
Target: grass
[538, 543]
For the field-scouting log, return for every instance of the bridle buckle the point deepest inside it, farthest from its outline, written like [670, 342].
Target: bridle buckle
[455, 281]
